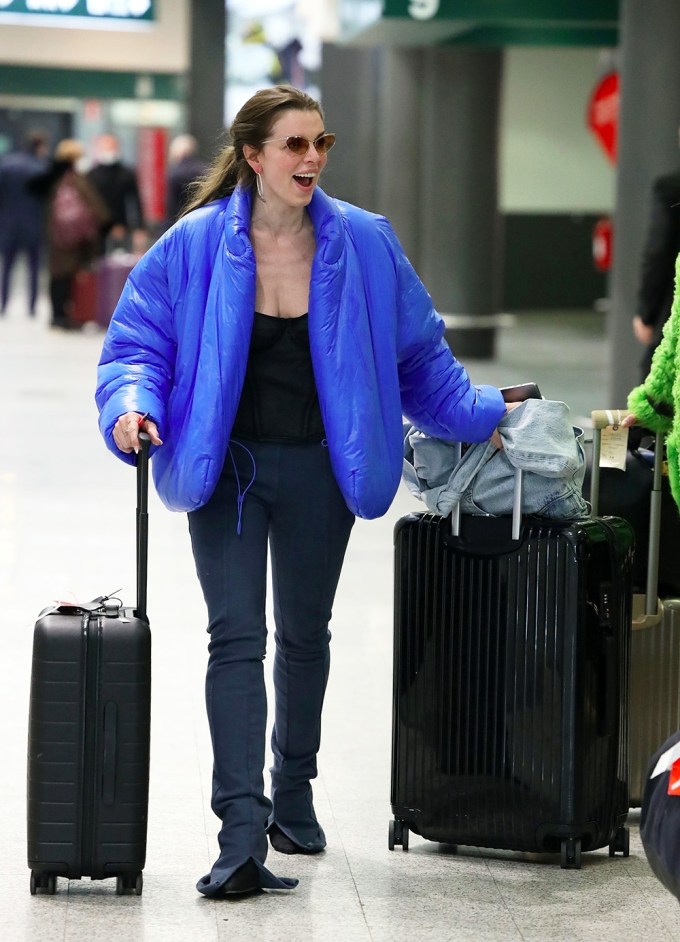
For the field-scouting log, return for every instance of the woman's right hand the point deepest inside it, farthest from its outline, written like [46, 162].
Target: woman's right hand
[496, 437]
[644, 333]
[127, 428]
[629, 420]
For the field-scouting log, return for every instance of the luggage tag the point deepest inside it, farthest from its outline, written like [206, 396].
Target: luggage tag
[614, 447]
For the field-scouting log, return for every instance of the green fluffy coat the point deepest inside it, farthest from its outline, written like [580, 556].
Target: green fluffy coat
[656, 403]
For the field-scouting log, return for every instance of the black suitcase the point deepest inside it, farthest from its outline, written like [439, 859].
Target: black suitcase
[88, 741]
[511, 672]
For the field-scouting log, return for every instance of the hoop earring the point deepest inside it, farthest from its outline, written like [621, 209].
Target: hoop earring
[259, 187]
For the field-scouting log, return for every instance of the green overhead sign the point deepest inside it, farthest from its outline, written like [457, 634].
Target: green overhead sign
[93, 10]
[479, 22]
[498, 11]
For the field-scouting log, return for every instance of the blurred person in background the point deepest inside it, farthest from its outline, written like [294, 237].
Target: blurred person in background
[662, 245]
[117, 185]
[22, 214]
[185, 167]
[76, 215]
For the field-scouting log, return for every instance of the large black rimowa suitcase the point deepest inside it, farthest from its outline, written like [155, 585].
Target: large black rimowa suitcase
[89, 726]
[511, 671]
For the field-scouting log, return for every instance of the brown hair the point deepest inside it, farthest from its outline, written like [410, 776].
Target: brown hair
[69, 150]
[252, 125]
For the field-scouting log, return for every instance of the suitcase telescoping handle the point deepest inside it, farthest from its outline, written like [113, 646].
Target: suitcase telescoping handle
[518, 393]
[142, 523]
[603, 419]
[516, 501]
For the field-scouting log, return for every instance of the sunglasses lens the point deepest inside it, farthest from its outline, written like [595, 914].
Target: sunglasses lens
[324, 143]
[299, 145]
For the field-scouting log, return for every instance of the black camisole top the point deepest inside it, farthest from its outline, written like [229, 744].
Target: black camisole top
[279, 402]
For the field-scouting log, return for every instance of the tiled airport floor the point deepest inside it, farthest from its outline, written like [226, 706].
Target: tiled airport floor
[66, 531]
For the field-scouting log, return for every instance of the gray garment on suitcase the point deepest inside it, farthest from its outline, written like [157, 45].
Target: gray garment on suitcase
[537, 437]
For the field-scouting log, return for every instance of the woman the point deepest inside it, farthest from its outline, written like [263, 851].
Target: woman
[272, 339]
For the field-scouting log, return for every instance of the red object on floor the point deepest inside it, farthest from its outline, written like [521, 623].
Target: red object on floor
[83, 306]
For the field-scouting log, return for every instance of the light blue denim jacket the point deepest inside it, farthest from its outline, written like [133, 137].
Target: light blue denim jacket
[537, 437]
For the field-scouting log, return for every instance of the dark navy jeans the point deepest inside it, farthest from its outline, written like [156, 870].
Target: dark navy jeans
[293, 507]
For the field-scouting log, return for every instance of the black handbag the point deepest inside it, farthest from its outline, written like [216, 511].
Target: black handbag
[627, 494]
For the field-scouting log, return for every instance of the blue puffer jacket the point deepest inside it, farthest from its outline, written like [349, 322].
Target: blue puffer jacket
[177, 348]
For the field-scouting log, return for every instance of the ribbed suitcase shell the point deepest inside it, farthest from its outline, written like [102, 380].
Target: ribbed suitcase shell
[511, 686]
[654, 692]
[112, 273]
[83, 306]
[88, 748]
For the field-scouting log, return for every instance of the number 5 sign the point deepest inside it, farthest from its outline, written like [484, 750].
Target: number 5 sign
[423, 9]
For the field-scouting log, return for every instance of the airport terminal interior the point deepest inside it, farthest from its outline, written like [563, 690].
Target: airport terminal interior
[497, 172]
[67, 533]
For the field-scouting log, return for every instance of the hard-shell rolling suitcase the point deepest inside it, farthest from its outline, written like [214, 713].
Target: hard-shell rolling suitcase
[655, 652]
[89, 725]
[82, 306]
[511, 672]
[112, 272]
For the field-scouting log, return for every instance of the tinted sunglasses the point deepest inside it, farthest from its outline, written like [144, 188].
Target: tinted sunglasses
[300, 145]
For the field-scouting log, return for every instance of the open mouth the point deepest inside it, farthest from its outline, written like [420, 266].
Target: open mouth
[304, 179]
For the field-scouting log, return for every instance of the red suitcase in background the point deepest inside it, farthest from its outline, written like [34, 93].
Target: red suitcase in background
[112, 272]
[83, 306]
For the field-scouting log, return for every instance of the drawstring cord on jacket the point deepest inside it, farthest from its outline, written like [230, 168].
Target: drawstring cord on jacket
[241, 493]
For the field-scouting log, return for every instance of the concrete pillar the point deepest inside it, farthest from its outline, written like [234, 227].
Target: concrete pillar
[349, 96]
[206, 80]
[398, 157]
[648, 147]
[459, 257]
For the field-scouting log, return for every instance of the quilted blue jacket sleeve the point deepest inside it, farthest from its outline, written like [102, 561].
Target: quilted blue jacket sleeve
[136, 366]
[436, 392]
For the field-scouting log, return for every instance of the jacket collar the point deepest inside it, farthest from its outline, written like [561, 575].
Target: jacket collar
[324, 213]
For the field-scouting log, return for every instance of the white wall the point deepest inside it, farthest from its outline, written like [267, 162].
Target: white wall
[162, 46]
[550, 161]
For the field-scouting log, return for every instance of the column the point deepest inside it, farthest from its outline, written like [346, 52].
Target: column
[459, 257]
[648, 147]
[398, 155]
[349, 96]
[206, 80]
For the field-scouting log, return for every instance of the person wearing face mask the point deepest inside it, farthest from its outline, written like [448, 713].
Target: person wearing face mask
[185, 167]
[118, 187]
[269, 343]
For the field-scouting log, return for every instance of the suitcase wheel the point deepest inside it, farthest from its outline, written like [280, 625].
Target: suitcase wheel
[621, 843]
[398, 834]
[43, 881]
[129, 882]
[570, 855]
